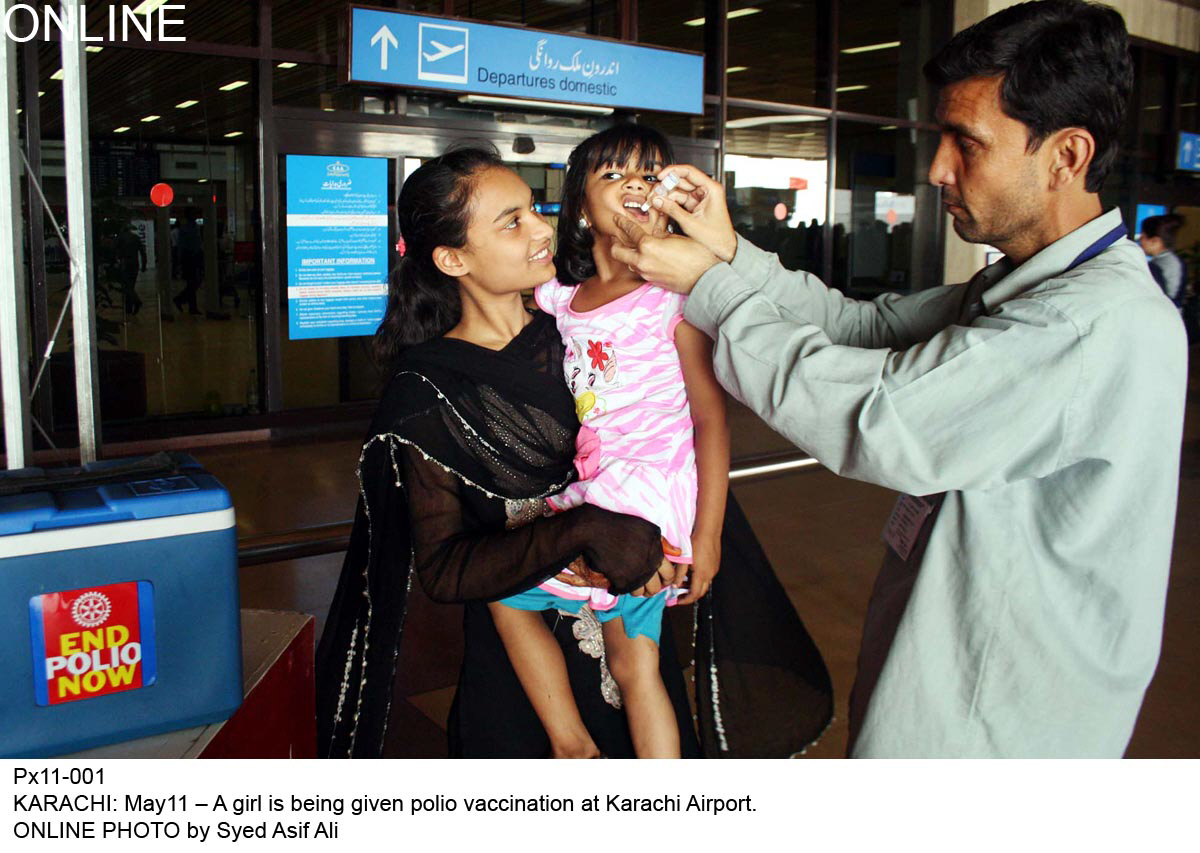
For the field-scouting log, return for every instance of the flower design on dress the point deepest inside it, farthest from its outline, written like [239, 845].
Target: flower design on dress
[597, 354]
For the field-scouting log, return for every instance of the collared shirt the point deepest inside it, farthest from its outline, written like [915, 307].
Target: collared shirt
[1170, 274]
[1048, 404]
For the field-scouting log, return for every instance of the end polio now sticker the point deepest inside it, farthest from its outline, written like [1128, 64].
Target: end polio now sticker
[93, 641]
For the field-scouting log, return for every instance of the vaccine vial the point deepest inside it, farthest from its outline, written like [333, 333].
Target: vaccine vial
[668, 183]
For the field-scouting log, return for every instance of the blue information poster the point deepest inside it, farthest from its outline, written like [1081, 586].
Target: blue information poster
[337, 232]
[1189, 152]
[403, 49]
[1143, 211]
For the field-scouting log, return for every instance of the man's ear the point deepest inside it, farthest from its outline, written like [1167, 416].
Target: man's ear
[1072, 150]
[451, 261]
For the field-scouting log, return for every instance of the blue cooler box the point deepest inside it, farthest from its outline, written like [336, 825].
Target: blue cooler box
[118, 603]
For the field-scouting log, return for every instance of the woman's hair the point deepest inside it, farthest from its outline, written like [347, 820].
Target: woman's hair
[1162, 227]
[434, 209]
[612, 147]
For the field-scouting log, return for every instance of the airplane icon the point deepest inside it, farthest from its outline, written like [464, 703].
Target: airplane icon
[442, 51]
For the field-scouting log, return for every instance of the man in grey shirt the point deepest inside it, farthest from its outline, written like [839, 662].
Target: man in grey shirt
[1037, 409]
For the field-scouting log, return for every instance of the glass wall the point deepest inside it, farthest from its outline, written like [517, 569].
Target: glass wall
[177, 285]
[886, 215]
[810, 92]
[1147, 178]
[776, 181]
[779, 51]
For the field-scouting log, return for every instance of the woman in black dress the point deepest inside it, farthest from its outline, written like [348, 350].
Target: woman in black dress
[475, 428]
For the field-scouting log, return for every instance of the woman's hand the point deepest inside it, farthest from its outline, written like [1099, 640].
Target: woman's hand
[581, 574]
[697, 204]
[706, 556]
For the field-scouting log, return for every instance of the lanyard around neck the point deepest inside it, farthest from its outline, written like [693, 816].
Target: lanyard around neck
[1099, 246]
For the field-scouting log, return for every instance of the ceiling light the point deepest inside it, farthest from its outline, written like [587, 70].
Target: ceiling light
[183, 105]
[756, 121]
[94, 48]
[540, 105]
[867, 48]
[888, 127]
[121, 129]
[203, 181]
[57, 75]
[236, 84]
[855, 88]
[151, 118]
[734, 69]
[286, 65]
[736, 13]
[148, 6]
[1153, 107]
[233, 134]
[328, 109]
[40, 94]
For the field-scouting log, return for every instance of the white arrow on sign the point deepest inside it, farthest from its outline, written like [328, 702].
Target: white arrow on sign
[384, 37]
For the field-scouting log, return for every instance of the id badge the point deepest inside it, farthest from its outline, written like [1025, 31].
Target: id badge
[904, 525]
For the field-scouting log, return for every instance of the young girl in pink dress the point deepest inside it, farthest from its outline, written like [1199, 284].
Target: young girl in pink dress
[653, 442]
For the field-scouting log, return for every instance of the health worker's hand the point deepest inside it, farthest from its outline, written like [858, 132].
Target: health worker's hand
[697, 204]
[670, 260]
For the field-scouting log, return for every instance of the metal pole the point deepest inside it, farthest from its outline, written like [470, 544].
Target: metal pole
[14, 312]
[39, 307]
[79, 232]
[273, 315]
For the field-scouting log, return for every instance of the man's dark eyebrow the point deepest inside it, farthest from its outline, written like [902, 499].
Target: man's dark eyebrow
[963, 130]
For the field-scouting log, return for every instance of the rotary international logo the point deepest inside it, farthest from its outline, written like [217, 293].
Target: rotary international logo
[91, 609]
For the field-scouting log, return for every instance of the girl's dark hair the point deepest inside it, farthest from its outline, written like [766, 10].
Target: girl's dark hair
[1162, 227]
[612, 147]
[433, 210]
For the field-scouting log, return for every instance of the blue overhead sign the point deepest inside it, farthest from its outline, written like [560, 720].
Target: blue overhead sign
[1143, 212]
[1189, 152]
[402, 49]
[337, 232]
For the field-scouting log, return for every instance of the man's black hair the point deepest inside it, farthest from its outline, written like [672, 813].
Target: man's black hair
[1064, 63]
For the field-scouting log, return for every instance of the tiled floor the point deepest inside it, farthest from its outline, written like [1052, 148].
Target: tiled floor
[821, 532]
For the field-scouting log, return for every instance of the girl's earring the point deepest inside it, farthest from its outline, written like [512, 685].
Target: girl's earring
[583, 223]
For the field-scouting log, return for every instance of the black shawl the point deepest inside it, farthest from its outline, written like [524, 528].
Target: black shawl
[499, 424]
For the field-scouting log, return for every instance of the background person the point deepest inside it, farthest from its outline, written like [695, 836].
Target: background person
[1158, 242]
[1038, 408]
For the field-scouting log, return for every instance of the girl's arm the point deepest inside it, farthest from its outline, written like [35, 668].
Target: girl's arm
[707, 402]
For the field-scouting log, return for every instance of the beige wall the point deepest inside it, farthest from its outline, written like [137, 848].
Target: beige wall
[1163, 21]
[1155, 20]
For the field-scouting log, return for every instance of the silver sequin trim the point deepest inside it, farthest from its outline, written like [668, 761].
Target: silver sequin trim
[355, 652]
[590, 634]
[520, 512]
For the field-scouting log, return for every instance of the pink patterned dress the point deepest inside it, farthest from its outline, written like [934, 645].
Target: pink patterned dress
[635, 451]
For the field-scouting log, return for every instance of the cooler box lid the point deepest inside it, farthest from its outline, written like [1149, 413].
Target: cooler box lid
[166, 484]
